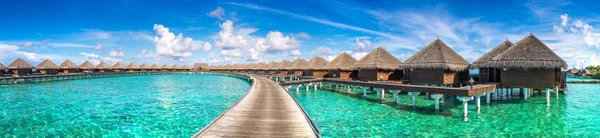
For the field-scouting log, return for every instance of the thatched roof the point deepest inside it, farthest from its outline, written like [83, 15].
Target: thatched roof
[144, 66]
[219, 67]
[378, 59]
[299, 63]
[436, 55]
[132, 66]
[175, 66]
[155, 66]
[261, 66]
[119, 65]
[284, 64]
[317, 63]
[212, 67]
[187, 67]
[574, 71]
[243, 66]
[87, 65]
[272, 65]
[166, 66]
[19, 64]
[46, 64]
[2, 66]
[483, 61]
[528, 53]
[251, 66]
[341, 62]
[200, 65]
[68, 64]
[103, 65]
[585, 71]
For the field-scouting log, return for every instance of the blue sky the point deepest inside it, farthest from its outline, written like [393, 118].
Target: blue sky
[219, 32]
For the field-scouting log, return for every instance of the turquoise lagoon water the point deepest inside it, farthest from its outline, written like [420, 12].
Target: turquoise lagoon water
[573, 114]
[133, 106]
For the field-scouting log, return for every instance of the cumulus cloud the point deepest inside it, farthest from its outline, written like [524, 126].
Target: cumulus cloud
[295, 52]
[324, 51]
[27, 44]
[362, 45]
[228, 39]
[565, 19]
[231, 53]
[303, 35]
[11, 52]
[175, 46]
[278, 42]
[217, 13]
[117, 52]
[45, 41]
[96, 59]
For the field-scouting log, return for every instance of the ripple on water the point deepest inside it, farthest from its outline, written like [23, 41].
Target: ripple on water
[134, 106]
[575, 113]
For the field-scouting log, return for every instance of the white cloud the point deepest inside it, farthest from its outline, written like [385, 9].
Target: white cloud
[558, 29]
[45, 41]
[98, 47]
[295, 52]
[206, 46]
[11, 52]
[565, 19]
[228, 39]
[96, 59]
[324, 51]
[278, 42]
[359, 55]
[231, 53]
[303, 35]
[117, 52]
[317, 20]
[362, 45]
[27, 44]
[217, 13]
[175, 46]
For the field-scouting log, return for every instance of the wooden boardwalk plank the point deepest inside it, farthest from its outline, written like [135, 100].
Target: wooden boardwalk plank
[267, 110]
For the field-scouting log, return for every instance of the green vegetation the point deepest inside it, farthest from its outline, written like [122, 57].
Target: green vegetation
[595, 70]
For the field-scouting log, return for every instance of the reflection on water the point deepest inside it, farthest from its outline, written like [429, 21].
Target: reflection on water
[134, 106]
[340, 115]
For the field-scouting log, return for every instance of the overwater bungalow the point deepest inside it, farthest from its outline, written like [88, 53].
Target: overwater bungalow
[251, 68]
[2, 69]
[529, 64]
[103, 67]
[187, 68]
[272, 67]
[132, 67]
[47, 67]
[341, 67]
[297, 67]
[165, 68]
[175, 68]
[572, 72]
[219, 68]
[282, 68]
[379, 65]
[144, 67]
[436, 64]
[316, 67]
[119, 67]
[211, 68]
[261, 67]
[155, 67]
[200, 67]
[87, 67]
[487, 74]
[242, 68]
[20, 67]
[68, 67]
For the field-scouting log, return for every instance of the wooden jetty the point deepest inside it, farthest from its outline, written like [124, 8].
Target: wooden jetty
[266, 110]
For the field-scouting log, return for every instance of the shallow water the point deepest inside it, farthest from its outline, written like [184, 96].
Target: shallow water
[133, 106]
[575, 113]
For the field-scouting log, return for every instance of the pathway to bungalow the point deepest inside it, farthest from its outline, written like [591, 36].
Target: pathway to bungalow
[267, 110]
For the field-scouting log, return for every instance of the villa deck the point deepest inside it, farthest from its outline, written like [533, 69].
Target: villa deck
[267, 110]
[462, 91]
